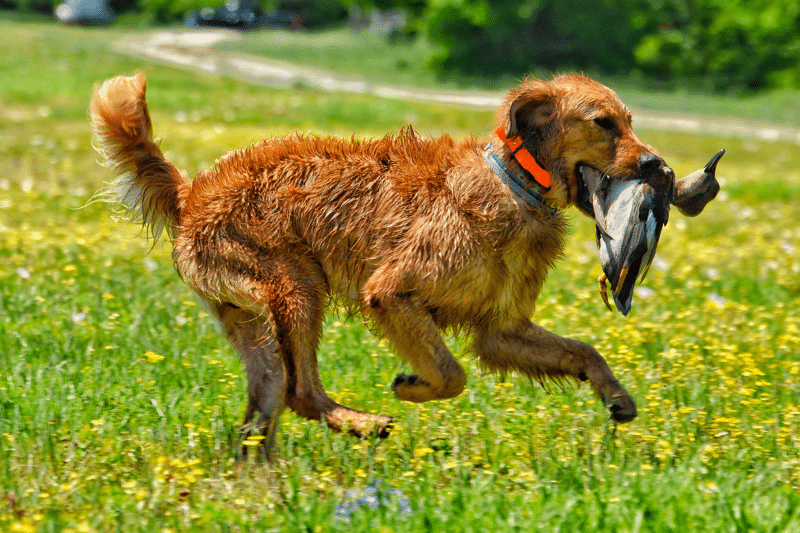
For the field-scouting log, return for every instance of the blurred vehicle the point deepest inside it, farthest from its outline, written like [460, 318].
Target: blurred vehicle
[91, 12]
[242, 15]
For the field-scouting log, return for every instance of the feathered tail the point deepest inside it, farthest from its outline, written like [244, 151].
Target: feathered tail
[150, 188]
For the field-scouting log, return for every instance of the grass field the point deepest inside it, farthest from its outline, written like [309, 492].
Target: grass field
[120, 404]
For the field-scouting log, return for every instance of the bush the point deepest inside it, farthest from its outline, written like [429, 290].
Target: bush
[313, 12]
[316, 12]
[165, 11]
[31, 6]
[729, 44]
[752, 45]
[479, 36]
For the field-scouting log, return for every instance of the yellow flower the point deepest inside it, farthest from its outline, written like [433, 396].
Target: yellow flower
[152, 357]
[422, 452]
[23, 527]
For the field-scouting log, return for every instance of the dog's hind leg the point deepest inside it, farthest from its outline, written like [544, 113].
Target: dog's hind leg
[254, 339]
[534, 351]
[412, 331]
[297, 296]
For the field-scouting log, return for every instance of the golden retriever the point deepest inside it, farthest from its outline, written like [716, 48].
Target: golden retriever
[416, 234]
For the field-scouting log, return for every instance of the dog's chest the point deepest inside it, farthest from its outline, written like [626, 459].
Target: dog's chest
[504, 282]
[524, 266]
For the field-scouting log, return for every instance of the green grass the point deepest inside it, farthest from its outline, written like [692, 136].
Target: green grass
[400, 61]
[404, 62]
[120, 403]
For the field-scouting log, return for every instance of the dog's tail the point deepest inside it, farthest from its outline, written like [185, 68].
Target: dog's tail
[149, 188]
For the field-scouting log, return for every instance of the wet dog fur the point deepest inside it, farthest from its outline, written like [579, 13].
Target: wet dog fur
[418, 235]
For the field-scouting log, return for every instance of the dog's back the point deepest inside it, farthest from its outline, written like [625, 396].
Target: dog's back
[403, 203]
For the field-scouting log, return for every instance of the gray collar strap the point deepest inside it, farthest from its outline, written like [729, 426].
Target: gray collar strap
[531, 196]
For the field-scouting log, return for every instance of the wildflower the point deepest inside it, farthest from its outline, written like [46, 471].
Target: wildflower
[644, 292]
[24, 274]
[23, 527]
[152, 357]
[372, 498]
[419, 453]
[660, 264]
[717, 300]
[78, 317]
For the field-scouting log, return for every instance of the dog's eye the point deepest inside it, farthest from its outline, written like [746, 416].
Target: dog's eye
[605, 123]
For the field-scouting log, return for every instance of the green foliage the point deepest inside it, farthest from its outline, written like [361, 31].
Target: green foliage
[720, 44]
[313, 12]
[163, 11]
[741, 44]
[316, 12]
[31, 6]
[482, 36]
[726, 44]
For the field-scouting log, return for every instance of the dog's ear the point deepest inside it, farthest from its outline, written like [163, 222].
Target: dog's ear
[532, 108]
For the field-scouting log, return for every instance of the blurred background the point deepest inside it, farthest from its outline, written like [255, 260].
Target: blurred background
[717, 45]
[120, 404]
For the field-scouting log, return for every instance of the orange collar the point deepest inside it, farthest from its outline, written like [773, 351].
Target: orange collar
[525, 158]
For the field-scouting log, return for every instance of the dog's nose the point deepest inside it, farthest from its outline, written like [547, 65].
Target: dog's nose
[648, 162]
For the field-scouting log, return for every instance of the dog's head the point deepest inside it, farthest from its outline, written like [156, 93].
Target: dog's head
[587, 155]
[580, 132]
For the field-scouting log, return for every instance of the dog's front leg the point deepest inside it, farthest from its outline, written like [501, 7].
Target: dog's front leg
[534, 351]
[410, 328]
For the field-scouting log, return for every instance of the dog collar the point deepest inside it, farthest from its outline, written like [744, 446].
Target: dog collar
[531, 196]
[525, 158]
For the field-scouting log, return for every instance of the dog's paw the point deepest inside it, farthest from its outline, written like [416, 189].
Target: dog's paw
[617, 400]
[412, 388]
[385, 427]
[406, 379]
[622, 407]
[369, 426]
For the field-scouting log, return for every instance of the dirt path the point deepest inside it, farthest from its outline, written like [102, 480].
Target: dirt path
[195, 50]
